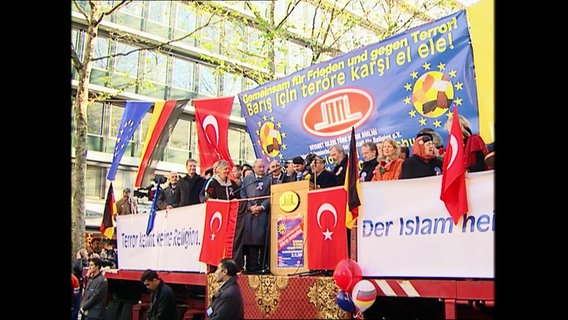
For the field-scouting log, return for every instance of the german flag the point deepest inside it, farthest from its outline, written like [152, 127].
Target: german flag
[164, 118]
[107, 227]
[352, 184]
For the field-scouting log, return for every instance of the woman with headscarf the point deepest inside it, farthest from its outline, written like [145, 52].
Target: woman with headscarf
[423, 162]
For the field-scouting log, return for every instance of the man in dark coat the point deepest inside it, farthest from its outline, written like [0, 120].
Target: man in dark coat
[162, 299]
[256, 187]
[190, 185]
[169, 197]
[370, 152]
[227, 302]
[337, 153]
[320, 177]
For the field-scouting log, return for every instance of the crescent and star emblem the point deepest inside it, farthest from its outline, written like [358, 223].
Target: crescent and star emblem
[216, 216]
[454, 147]
[327, 207]
[211, 120]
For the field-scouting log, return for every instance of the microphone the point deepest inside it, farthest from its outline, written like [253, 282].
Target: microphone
[272, 171]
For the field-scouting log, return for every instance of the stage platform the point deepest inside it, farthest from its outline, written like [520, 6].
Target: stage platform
[286, 297]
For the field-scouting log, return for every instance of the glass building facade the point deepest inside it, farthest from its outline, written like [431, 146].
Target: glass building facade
[181, 70]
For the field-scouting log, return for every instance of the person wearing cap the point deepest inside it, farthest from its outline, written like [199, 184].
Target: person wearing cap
[320, 177]
[297, 170]
[438, 143]
[423, 162]
[127, 204]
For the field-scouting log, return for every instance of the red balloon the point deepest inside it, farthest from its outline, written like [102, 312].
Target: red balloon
[356, 274]
[342, 276]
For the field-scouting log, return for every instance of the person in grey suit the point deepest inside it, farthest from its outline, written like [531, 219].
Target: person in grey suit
[227, 302]
[256, 188]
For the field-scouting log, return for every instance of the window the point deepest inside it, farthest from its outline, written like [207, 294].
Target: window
[134, 8]
[126, 68]
[210, 35]
[232, 84]
[179, 139]
[235, 37]
[130, 15]
[156, 67]
[159, 12]
[182, 73]
[158, 21]
[101, 50]
[127, 64]
[94, 182]
[207, 81]
[95, 118]
[100, 71]
[185, 17]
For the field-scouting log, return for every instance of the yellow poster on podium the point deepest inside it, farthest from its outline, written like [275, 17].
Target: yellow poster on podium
[289, 209]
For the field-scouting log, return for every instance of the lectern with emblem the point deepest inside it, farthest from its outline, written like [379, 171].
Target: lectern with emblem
[289, 210]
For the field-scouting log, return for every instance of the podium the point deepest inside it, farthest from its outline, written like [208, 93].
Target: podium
[288, 213]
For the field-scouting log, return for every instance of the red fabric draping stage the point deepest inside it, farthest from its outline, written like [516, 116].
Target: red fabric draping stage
[285, 297]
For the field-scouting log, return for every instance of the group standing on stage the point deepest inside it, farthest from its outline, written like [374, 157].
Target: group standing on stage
[251, 186]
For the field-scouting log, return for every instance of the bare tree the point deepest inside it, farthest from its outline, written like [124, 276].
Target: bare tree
[327, 31]
[83, 97]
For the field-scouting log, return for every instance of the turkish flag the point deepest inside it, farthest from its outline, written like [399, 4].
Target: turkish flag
[220, 220]
[454, 193]
[326, 232]
[212, 118]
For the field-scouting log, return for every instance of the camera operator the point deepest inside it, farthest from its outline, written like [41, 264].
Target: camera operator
[127, 204]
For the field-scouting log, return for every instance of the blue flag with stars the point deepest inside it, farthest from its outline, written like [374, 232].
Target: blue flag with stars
[133, 113]
[153, 209]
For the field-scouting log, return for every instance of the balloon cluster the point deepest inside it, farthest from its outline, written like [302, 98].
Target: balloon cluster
[356, 295]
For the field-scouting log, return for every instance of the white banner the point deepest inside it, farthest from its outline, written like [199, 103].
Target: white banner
[173, 245]
[404, 229]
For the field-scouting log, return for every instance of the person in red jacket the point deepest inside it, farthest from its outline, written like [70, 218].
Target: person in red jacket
[74, 290]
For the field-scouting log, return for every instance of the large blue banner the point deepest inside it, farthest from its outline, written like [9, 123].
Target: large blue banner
[393, 88]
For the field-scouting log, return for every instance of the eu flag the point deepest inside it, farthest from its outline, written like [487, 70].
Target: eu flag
[134, 111]
[153, 209]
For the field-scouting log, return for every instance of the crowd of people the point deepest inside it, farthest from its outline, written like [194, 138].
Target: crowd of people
[251, 184]
[89, 291]
[385, 160]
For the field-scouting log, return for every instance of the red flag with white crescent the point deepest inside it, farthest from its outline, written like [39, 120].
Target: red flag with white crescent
[454, 193]
[326, 230]
[214, 232]
[212, 119]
